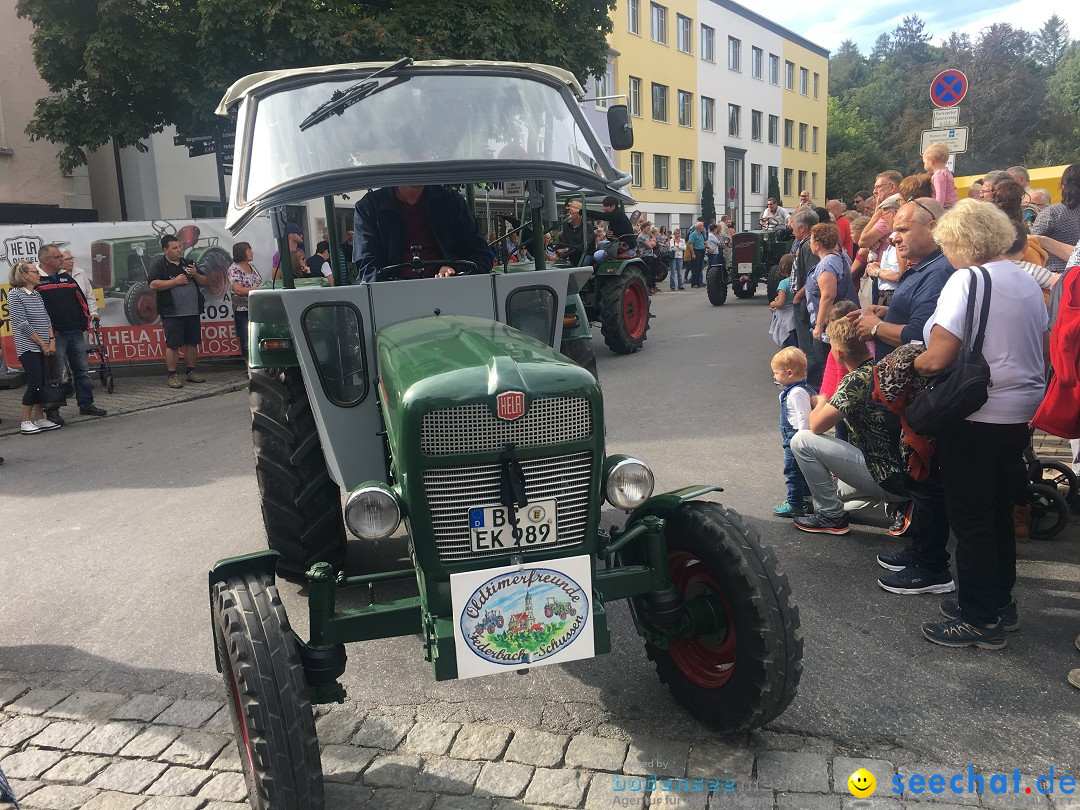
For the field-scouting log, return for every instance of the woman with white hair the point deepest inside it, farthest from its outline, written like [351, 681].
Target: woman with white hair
[980, 456]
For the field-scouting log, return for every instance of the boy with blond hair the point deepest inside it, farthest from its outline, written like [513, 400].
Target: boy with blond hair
[935, 159]
[789, 371]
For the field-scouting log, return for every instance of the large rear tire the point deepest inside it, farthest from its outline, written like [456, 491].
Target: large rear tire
[624, 311]
[750, 676]
[301, 503]
[716, 285]
[773, 282]
[272, 718]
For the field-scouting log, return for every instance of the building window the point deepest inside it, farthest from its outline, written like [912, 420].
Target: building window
[817, 84]
[660, 171]
[734, 113]
[802, 182]
[774, 69]
[684, 28]
[755, 178]
[802, 137]
[756, 56]
[708, 44]
[813, 185]
[804, 81]
[774, 130]
[708, 114]
[787, 182]
[708, 172]
[789, 133]
[734, 54]
[658, 23]
[686, 109]
[635, 169]
[755, 125]
[686, 175]
[633, 17]
[813, 140]
[603, 90]
[789, 75]
[659, 102]
[635, 96]
[205, 209]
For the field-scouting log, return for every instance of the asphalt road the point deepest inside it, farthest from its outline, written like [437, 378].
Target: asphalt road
[107, 530]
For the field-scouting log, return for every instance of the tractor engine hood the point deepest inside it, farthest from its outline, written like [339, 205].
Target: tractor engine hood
[476, 361]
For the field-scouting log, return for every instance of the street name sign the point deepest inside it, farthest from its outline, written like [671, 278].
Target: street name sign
[956, 138]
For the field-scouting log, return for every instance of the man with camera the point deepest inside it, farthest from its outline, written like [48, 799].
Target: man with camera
[176, 281]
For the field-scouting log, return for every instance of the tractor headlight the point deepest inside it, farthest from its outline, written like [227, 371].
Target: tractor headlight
[629, 483]
[372, 512]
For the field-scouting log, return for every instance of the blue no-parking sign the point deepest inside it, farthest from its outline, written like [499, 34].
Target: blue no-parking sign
[948, 88]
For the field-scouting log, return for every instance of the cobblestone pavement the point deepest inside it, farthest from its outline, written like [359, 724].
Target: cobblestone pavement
[65, 748]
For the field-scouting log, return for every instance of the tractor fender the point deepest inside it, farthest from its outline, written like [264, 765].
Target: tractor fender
[578, 330]
[620, 266]
[662, 505]
[257, 562]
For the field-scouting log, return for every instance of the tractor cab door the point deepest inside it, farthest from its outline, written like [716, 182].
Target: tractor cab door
[534, 302]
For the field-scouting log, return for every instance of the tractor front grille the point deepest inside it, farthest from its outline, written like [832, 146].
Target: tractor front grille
[476, 429]
[101, 264]
[452, 491]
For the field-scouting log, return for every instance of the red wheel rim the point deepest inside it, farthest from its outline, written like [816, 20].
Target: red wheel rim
[635, 308]
[705, 660]
[146, 306]
[234, 688]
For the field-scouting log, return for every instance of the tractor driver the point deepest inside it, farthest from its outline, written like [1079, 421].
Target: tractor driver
[389, 222]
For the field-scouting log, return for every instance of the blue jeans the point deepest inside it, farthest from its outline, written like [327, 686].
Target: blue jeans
[695, 268]
[798, 492]
[676, 273]
[240, 318]
[821, 458]
[72, 347]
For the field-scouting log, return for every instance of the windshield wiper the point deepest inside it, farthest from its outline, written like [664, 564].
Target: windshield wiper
[367, 87]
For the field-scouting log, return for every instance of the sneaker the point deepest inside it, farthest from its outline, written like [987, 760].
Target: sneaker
[897, 560]
[785, 509]
[195, 377]
[93, 410]
[901, 518]
[53, 415]
[819, 524]
[1074, 677]
[1010, 616]
[29, 429]
[917, 580]
[961, 633]
[46, 424]
[175, 381]
[654, 289]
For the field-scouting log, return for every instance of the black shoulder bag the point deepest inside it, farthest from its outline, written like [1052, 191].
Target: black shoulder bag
[962, 388]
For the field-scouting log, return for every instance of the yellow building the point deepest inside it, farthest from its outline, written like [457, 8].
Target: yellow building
[805, 82]
[655, 64]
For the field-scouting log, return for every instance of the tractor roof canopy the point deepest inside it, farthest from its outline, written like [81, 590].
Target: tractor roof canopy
[312, 132]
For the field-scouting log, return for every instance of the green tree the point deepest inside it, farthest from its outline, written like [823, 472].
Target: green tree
[708, 203]
[124, 69]
[848, 68]
[1052, 41]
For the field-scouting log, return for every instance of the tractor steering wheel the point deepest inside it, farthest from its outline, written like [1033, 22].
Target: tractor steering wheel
[392, 272]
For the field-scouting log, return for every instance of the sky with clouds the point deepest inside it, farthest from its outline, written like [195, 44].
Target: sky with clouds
[828, 22]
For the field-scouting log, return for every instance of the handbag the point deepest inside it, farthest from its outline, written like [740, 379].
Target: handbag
[961, 389]
[52, 389]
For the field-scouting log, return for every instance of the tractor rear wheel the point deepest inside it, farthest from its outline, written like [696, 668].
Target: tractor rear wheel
[271, 714]
[301, 503]
[624, 311]
[581, 352]
[744, 289]
[748, 676]
[716, 285]
[773, 282]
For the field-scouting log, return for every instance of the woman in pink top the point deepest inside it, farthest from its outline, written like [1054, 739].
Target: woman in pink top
[934, 159]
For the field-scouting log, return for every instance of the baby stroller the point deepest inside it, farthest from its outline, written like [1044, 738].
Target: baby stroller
[1052, 486]
[98, 347]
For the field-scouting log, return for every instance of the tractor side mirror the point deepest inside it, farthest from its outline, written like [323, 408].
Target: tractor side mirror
[620, 130]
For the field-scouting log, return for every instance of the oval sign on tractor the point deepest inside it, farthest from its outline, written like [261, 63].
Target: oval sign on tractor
[948, 88]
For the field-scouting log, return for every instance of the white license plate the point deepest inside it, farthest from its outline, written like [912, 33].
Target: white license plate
[490, 529]
[746, 268]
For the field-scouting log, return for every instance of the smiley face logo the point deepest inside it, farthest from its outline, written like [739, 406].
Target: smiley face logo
[862, 783]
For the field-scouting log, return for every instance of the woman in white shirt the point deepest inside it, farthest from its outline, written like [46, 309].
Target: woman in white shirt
[980, 457]
[677, 245]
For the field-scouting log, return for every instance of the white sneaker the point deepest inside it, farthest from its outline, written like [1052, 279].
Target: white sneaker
[45, 424]
[29, 428]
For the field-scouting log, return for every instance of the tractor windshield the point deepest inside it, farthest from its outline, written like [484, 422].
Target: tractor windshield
[422, 126]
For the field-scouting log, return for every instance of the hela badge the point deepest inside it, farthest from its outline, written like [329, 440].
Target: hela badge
[511, 405]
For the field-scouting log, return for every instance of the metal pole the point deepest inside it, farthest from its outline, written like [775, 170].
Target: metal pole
[340, 276]
[219, 159]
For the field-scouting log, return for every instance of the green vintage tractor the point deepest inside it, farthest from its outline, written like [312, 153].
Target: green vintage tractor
[755, 260]
[442, 405]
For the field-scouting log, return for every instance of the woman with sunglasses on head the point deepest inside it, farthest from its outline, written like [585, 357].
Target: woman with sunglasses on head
[33, 335]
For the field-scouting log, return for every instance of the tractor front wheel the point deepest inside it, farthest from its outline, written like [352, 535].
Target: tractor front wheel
[301, 504]
[581, 352]
[140, 304]
[748, 675]
[624, 311]
[272, 718]
[716, 284]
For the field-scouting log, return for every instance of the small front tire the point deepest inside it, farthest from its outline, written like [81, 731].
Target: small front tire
[716, 285]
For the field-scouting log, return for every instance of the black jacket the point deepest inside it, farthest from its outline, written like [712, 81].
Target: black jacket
[162, 270]
[65, 303]
[379, 233]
